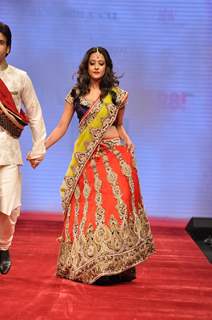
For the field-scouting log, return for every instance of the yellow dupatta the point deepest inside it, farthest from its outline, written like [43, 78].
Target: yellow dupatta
[92, 128]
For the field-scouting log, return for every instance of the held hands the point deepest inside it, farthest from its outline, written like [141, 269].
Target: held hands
[35, 162]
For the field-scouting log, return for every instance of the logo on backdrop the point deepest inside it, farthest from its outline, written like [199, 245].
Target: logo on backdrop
[94, 15]
[171, 100]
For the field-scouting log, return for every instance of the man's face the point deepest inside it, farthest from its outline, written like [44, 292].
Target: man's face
[4, 48]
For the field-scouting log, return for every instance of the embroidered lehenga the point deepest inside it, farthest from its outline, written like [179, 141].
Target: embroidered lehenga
[106, 230]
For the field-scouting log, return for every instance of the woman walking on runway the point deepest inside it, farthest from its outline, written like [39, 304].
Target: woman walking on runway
[106, 231]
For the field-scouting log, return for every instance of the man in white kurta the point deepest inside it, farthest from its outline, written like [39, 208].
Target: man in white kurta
[23, 93]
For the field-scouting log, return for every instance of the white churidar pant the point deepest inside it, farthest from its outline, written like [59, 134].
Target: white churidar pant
[10, 202]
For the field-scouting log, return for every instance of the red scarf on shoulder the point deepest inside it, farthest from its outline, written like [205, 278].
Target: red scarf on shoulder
[10, 118]
[7, 100]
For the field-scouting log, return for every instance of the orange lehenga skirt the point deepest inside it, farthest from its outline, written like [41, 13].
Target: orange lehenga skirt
[106, 231]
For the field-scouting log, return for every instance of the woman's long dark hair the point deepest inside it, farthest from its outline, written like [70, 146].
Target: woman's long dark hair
[108, 81]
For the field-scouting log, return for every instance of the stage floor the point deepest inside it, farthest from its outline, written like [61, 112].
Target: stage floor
[175, 283]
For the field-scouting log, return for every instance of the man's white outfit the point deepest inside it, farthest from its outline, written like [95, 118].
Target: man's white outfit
[23, 93]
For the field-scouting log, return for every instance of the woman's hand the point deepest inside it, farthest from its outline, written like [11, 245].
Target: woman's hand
[124, 136]
[130, 145]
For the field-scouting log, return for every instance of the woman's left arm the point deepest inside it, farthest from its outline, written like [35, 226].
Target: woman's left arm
[122, 132]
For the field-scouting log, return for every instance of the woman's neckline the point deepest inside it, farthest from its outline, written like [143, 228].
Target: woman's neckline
[87, 102]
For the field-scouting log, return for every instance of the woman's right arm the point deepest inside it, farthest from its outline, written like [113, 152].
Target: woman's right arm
[62, 125]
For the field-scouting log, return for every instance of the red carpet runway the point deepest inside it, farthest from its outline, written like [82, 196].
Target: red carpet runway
[175, 283]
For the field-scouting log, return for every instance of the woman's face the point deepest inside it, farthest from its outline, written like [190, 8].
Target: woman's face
[96, 66]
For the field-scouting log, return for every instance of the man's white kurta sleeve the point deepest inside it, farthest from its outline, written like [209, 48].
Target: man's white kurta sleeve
[36, 121]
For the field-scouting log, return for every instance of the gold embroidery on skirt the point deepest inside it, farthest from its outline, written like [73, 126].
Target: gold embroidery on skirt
[127, 172]
[86, 193]
[100, 211]
[67, 224]
[107, 249]
[112, 179]
[76, 211]
[93, 256]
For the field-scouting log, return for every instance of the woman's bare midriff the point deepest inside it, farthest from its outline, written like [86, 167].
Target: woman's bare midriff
[111, 132]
